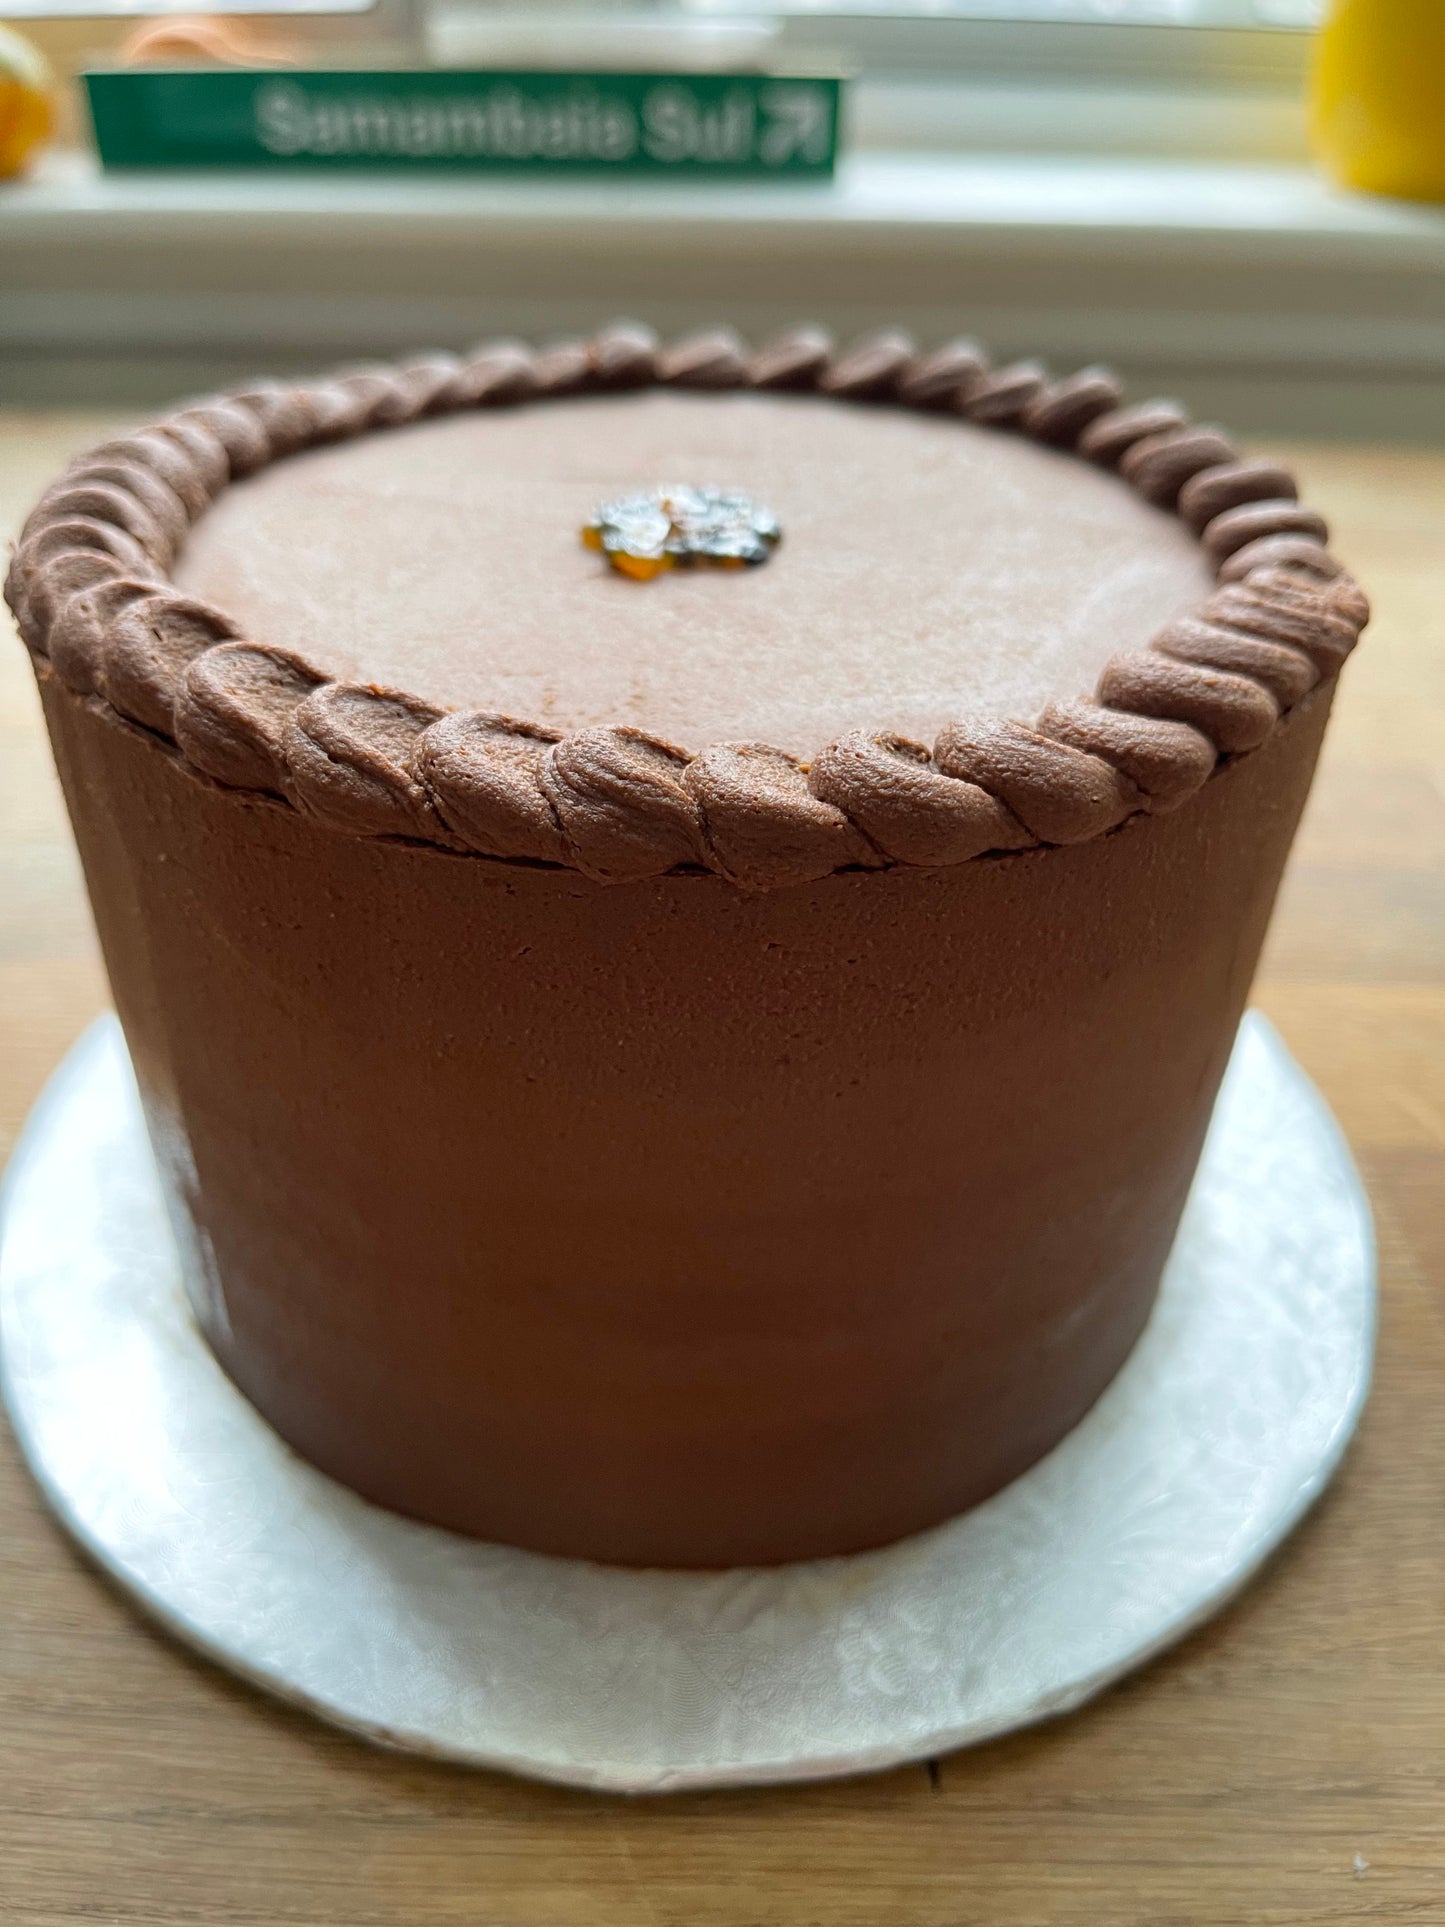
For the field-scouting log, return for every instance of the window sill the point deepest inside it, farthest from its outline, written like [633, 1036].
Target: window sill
[1241, 282]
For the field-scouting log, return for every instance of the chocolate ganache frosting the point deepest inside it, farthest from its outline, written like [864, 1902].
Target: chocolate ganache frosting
[701, 1071]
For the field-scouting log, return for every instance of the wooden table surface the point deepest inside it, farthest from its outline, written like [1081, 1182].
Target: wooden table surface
[1286, 1764]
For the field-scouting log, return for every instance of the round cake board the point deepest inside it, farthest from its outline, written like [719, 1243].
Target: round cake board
[1222, 1428]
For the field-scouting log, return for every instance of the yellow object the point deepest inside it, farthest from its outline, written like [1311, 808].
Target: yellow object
[642, 568]
[27, 110]
[1378, 116]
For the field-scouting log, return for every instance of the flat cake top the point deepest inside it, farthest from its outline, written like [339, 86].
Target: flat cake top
[928, 568]
[987, 626]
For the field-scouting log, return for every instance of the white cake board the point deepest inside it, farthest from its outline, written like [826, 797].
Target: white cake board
[1222, 1428]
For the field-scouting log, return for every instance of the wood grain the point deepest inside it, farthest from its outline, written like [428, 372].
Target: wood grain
[1235, 1781]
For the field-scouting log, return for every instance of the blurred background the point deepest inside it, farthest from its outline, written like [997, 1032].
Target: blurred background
[1138, 181]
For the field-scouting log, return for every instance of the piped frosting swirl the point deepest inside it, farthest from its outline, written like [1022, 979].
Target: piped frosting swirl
[89, 584]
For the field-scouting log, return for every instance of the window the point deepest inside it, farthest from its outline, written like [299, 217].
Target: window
[1222, 78]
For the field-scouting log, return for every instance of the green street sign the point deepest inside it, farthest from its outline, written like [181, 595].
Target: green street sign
[753, 126]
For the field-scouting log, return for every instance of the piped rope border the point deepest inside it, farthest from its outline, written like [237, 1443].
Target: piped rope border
[90, 589]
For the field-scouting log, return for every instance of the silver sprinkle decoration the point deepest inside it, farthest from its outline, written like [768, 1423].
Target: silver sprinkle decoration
[678, 526]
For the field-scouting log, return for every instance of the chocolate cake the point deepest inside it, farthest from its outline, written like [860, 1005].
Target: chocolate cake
[701, 1069]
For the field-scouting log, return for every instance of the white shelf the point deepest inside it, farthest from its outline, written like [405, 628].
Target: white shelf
[1131, 200]
[1257, 281]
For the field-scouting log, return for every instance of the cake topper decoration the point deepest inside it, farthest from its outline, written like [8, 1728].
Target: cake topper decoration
[680, 527]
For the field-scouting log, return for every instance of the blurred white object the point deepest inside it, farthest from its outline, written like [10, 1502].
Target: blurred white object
[160, 9]
[1221, 1430]
[164, 9]
[472, 33]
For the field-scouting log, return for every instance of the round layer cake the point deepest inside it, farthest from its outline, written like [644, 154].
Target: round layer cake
[691, 1065]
